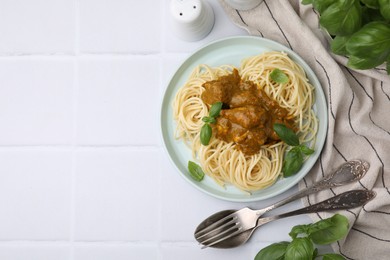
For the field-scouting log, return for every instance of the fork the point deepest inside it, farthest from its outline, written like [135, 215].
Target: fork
[347, 200]
[246, 218]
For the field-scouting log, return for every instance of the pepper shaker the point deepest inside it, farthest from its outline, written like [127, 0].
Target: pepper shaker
[192, 20]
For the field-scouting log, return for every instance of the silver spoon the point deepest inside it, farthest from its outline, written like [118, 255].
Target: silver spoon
[247, 218]
[347, 200]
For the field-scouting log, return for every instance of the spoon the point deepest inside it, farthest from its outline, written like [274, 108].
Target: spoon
[347, 200]
[346, 173]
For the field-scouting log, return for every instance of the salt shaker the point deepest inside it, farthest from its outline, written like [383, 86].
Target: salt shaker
[243, 5]
[192, 20]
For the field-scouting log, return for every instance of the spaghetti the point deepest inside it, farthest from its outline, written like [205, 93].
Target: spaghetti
[222, 161]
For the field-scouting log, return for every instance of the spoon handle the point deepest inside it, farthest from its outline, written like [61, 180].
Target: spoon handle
[347, 200]
[348, 172]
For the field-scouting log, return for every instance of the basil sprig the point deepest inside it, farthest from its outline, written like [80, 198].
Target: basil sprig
[360, 30]
[304, 239]
[206, 131]
[196, 171]
[294, 158]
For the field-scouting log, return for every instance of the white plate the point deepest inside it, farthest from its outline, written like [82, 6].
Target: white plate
[232, 51]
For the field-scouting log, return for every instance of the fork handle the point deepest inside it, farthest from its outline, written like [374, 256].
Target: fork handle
[348, 172]
[347, 200]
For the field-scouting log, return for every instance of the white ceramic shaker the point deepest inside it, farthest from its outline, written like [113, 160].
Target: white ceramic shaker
[192, 20]
[243, 4]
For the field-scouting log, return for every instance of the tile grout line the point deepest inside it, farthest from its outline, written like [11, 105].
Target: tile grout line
[74, 134]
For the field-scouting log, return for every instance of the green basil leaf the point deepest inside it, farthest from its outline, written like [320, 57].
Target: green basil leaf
[209, 120]
[332, 233]
[298, 230]
[342, 17]
[306, 150]
[371, 42]
[307, 2]
[196, 171]
[371, 3]
[205, 134]
[338, 45]
[278, 76]
[286, 134]
[332, 257]
[384, 7]
[388, 65]
[363, 63]
[293, 162]
[215, 109]
[274, 251]
[299, 249]
[322, 5]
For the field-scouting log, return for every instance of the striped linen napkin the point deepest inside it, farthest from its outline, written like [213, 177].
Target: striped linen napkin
[358, 114]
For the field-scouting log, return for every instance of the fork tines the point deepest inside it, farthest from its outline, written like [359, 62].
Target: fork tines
[218, 231]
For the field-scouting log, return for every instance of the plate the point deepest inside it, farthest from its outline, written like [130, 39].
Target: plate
[231, 51]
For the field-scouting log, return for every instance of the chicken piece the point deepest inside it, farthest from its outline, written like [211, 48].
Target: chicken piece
[220, 90]
[248, 117]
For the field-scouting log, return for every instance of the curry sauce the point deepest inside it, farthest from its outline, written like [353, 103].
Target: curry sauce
[248, 113]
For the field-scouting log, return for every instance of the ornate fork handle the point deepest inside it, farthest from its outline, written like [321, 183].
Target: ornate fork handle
[347, 200]
[349, 172]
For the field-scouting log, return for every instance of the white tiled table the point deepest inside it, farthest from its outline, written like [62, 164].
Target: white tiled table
[83, 174]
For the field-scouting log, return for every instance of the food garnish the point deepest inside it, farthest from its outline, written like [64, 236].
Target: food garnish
[293, 160]
[196, 171]
[279, 76]
[206, 130]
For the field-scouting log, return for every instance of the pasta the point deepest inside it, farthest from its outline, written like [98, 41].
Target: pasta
[221, 160]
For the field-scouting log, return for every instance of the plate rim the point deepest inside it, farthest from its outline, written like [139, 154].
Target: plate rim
[307, 70]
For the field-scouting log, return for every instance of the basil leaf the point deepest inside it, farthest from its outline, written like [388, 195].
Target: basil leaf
[286, 134]
[274, 251]
[196, 171]
[278, 76]
[297, 230]
[342, 17]
[363, 63]
[209, 120]
[332, 257]
[332, 233]
[384, 7]
[306, 150]
[338, 45]
[292, 163]
[388, 65]
[371, 42]
[215, 109]
[205, 134]
[371, 3]
[322, 5]
[299, 249]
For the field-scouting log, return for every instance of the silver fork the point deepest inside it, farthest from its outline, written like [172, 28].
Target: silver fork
[347, 200]
[246, 218]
